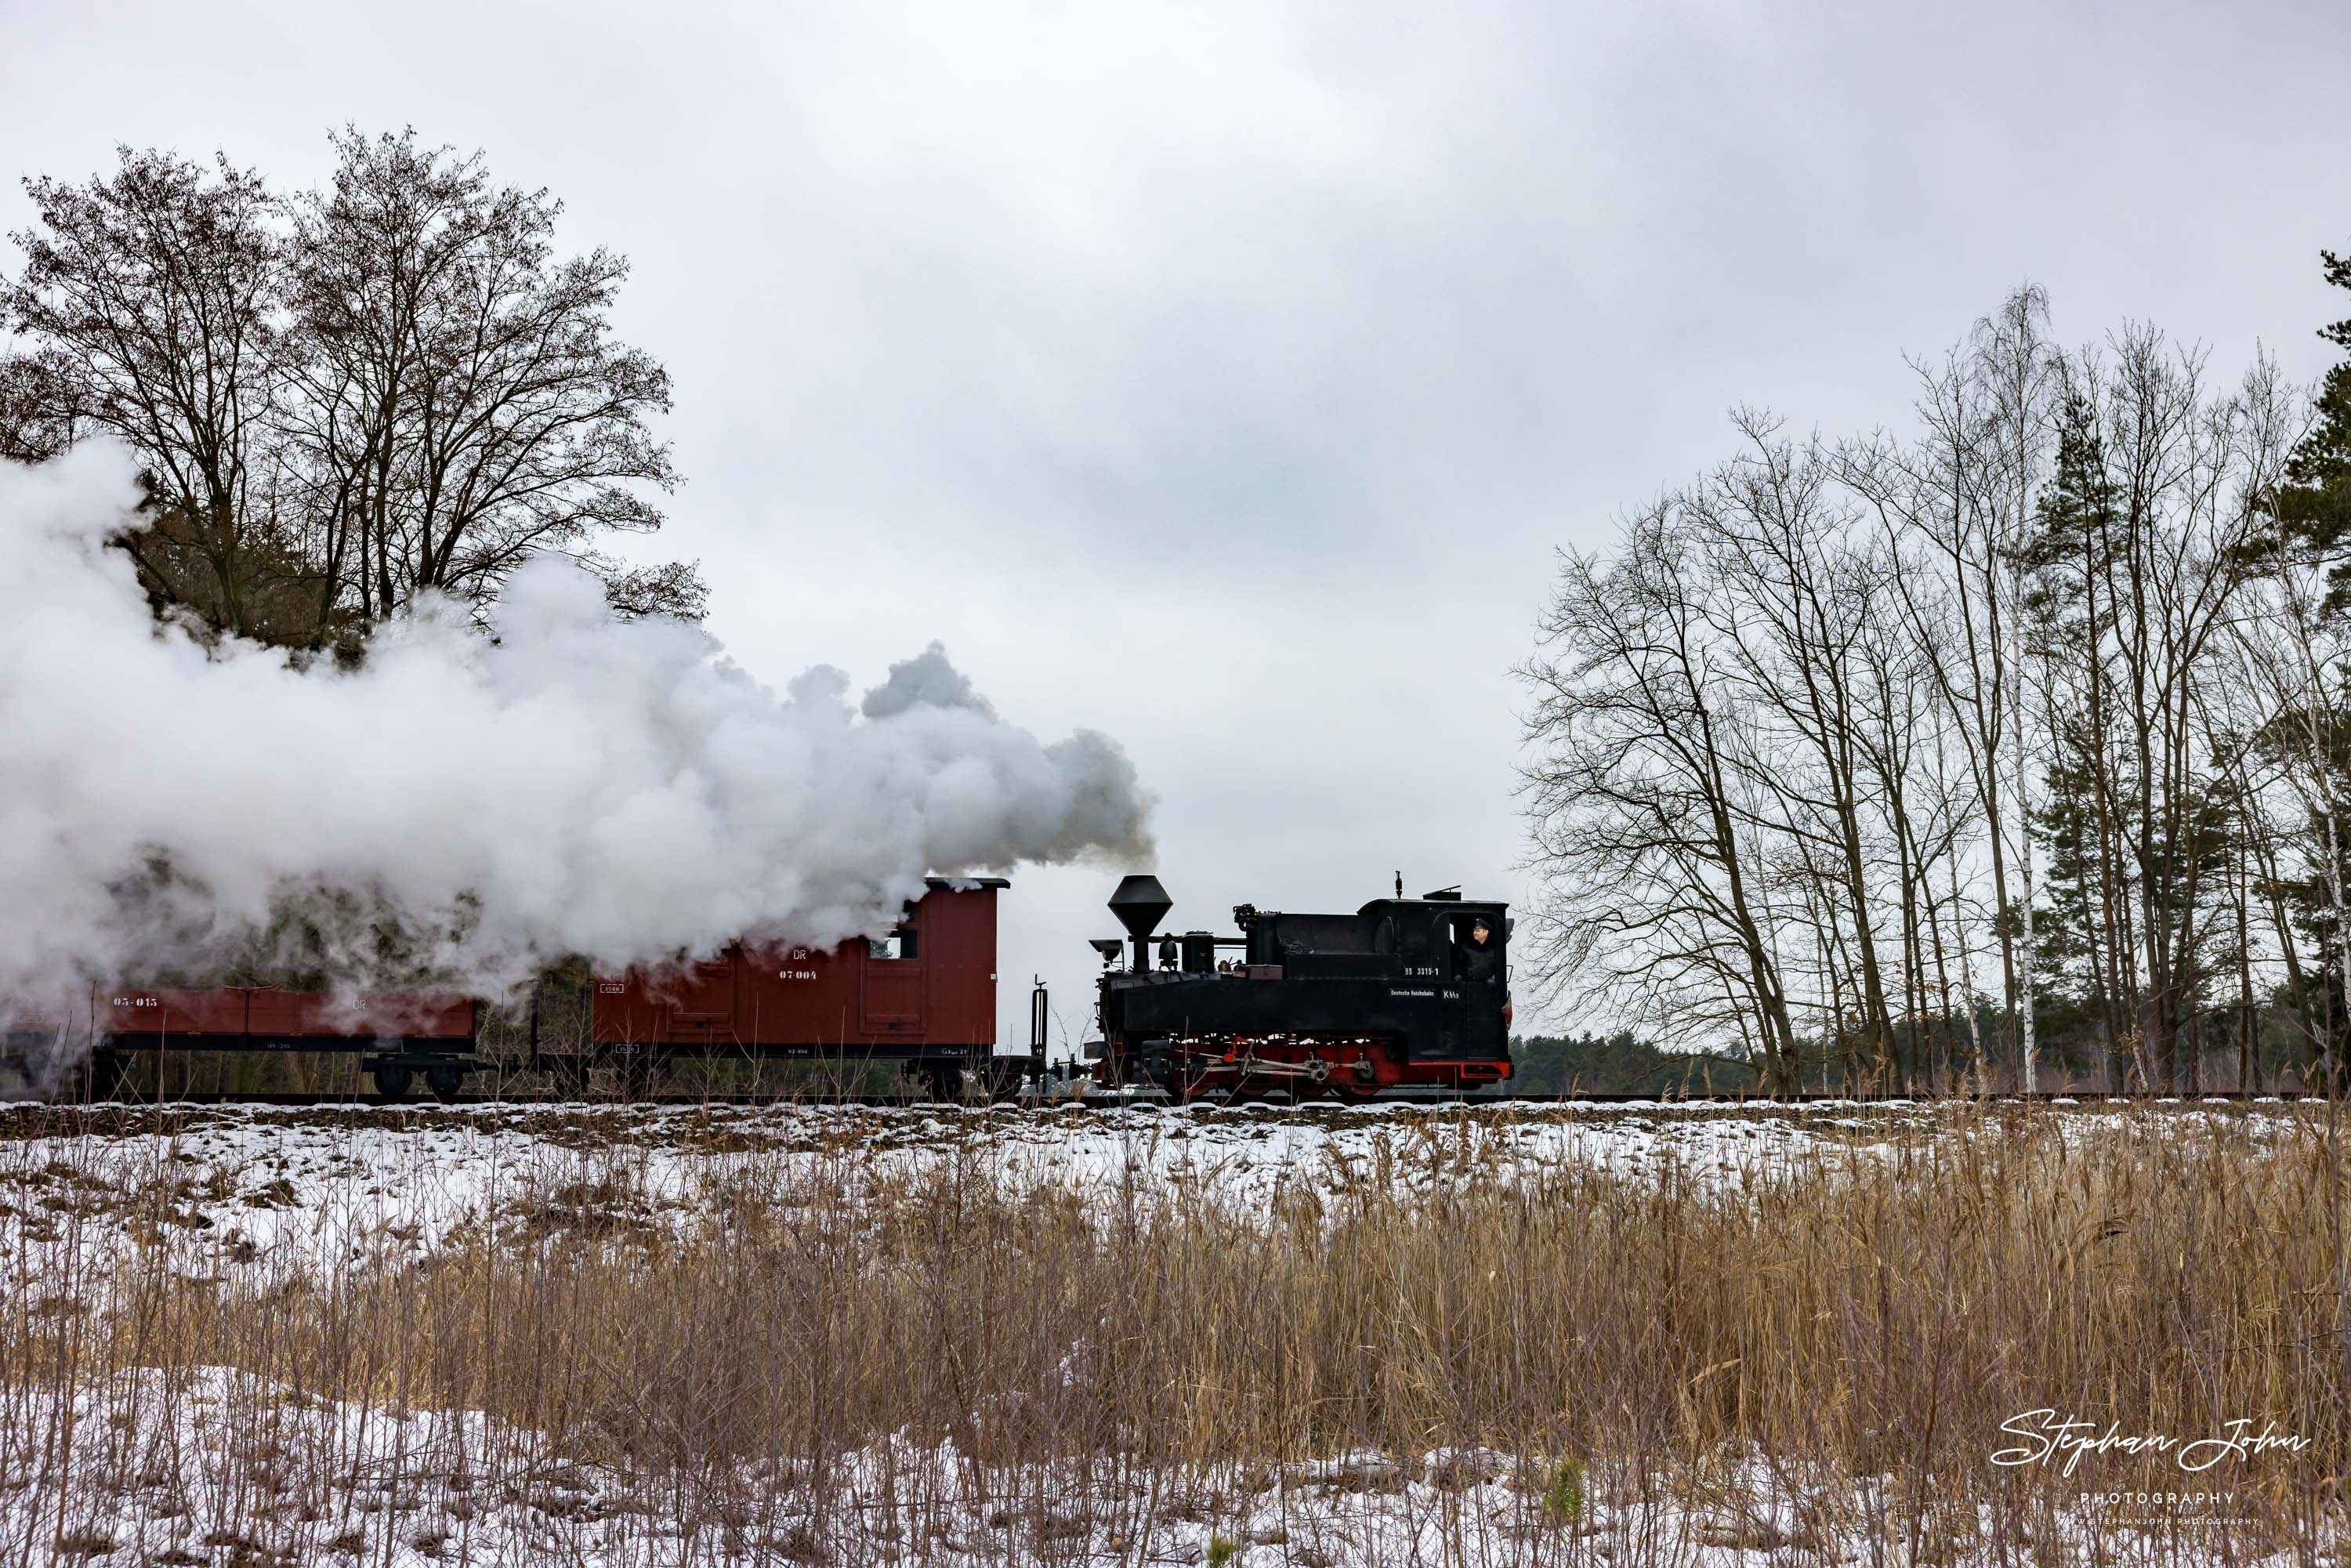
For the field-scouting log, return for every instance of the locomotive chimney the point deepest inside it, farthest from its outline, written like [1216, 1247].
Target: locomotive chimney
[1140, 905]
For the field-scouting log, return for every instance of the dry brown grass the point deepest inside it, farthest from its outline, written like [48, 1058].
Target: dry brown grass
[1843, 1338]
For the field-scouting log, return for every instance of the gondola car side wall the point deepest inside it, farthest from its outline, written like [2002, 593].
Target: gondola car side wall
[930, 983]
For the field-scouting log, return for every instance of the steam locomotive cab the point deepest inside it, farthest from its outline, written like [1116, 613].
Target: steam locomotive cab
[1404, 993]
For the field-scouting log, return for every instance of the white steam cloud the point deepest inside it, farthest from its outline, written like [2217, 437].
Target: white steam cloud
[465, 810]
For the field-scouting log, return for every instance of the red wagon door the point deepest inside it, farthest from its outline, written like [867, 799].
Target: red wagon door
[703, 1004]
[890, 998]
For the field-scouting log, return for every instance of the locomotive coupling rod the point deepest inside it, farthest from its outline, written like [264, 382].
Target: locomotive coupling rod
[1314, 1068]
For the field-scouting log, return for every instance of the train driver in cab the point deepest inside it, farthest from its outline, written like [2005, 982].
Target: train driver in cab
[1476, 956]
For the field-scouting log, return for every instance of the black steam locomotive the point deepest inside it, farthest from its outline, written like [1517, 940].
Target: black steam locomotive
[1404, 993]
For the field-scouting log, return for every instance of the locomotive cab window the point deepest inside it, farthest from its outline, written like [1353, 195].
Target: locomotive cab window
[900, 943]
[1476, 947]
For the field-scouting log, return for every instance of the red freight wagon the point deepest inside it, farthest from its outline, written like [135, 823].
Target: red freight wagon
[398, 1035]
[924, 996]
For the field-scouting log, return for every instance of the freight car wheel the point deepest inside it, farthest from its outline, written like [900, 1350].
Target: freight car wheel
[109, 1074]
[444, 1079]
[938, 1082]
[391, 1080]
[636, 1074]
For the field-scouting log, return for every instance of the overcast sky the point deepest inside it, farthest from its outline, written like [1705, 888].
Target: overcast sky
[1223, 376]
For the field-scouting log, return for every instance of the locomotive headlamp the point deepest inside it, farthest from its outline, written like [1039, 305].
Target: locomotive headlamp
[1110, 947]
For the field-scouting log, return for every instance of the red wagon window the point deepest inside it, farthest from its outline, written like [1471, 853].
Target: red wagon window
[899, 944]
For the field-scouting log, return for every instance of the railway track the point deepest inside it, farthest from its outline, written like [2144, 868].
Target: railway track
[1100, 1102]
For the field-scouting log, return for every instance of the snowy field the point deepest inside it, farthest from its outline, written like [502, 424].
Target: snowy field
[354, 1484]
[163, 1468]
[323, 1180]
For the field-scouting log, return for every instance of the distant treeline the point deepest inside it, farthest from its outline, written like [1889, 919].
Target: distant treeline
[1622, 1063]
[1619, 1064]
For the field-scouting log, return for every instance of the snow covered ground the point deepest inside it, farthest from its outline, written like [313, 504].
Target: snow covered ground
[272, 1189]
[325, 1179]
[224, 1468]
[228, 1467]
[280, 1187]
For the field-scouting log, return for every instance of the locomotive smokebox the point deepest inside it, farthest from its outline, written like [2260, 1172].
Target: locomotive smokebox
[1140, 905]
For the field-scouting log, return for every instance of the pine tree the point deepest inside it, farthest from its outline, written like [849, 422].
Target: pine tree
[2312, 508]
[2310, 521]
[2070, 553]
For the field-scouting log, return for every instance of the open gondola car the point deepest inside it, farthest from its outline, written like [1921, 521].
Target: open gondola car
[397, 1037]
[924, 996]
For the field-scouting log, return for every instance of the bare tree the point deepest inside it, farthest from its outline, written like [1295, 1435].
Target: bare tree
[464, 403]
[391, 387]
[2014, 362]
[1792, 617]
[36, 414]
[1646, 851]
[150, 299]
[1936, 501]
